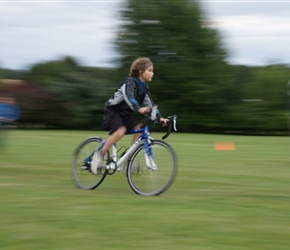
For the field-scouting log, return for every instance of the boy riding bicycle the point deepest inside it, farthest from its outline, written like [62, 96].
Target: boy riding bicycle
[133, 96]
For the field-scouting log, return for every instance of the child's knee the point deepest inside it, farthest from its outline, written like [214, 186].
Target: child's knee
[122, 130]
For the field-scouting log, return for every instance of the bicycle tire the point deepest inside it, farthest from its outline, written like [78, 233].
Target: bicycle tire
[148, 182]
[85, 179]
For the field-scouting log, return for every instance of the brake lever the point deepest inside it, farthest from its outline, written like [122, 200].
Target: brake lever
[174, 123]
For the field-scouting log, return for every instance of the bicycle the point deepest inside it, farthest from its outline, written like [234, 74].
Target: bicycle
[150, 168]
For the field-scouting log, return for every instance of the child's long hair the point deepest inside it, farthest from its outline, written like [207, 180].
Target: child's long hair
[139, 66]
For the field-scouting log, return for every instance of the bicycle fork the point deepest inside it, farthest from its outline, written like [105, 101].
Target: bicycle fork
[149, 158]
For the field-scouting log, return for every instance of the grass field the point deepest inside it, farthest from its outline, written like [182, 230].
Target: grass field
[221, 199]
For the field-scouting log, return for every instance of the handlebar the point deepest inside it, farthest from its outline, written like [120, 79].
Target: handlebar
[153, 116]
[171, 123]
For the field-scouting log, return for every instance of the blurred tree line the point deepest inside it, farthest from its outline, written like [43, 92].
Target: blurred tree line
[192, 78]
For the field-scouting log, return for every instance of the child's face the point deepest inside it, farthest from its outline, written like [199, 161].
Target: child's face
[147, 75]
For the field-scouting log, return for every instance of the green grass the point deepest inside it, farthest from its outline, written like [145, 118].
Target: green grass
[220, 199]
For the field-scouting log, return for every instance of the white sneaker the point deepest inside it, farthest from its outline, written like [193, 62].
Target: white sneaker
[96, 162]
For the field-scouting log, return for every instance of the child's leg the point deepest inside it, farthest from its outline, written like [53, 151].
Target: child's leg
[113, 138]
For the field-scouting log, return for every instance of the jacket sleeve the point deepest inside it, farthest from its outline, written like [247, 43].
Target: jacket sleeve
[149, 103]
[128, 91]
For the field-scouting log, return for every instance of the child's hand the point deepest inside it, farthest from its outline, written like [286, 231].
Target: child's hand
[143, 110]
[164, 121]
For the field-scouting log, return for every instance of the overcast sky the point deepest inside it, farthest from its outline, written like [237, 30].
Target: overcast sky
[254, 32]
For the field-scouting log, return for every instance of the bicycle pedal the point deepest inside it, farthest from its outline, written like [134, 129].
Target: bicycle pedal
[110, 168]
[85, 167]
[103, 166]
[107, 167]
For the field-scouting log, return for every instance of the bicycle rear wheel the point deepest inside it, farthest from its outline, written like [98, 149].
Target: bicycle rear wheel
[82, 176]
[147, 181]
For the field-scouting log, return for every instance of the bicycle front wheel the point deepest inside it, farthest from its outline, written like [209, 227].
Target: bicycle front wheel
[81, 173]
[149, 181]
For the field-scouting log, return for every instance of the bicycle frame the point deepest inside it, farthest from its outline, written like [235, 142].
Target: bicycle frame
[145, 136]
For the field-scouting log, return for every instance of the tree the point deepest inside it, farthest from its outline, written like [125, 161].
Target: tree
[80, 91]
[190, 73]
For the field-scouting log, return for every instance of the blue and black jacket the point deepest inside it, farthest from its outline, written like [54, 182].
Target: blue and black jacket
[130, 96]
